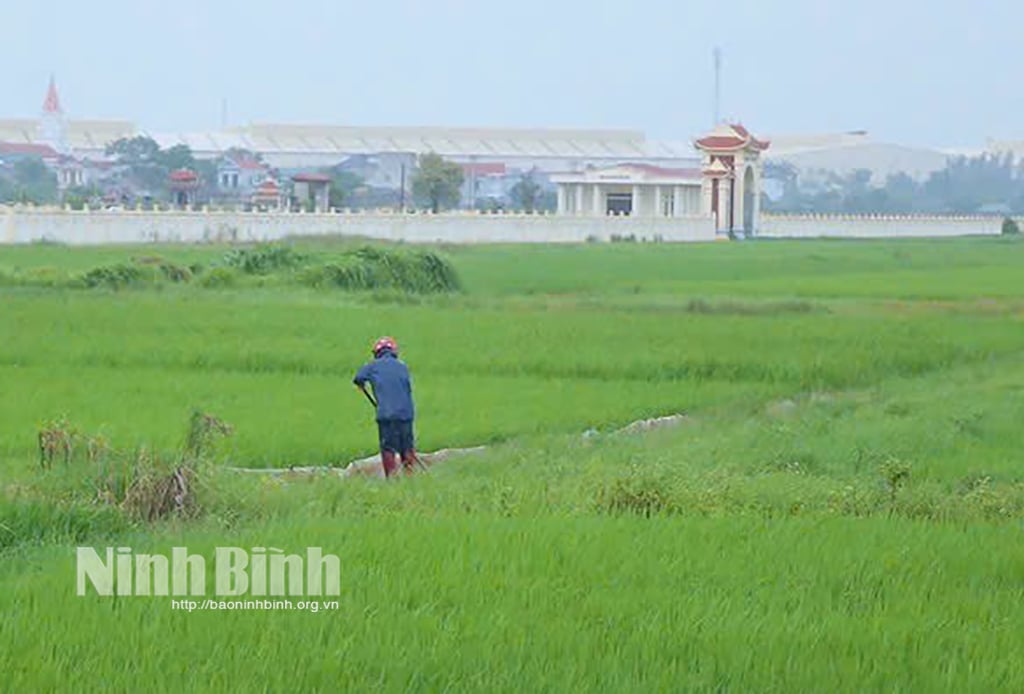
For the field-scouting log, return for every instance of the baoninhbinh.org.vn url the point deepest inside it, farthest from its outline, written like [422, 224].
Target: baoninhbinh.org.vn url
[209, 604]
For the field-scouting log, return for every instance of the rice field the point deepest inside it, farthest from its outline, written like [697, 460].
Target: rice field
[838, 511]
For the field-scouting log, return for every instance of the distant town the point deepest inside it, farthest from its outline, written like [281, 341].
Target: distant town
[57, 159]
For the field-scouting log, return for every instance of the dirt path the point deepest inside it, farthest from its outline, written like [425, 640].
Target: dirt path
[371, 467]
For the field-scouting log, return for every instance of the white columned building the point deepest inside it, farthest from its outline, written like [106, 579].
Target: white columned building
[726, 188]
[630, 189]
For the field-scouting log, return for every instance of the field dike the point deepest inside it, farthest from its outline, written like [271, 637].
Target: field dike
[371, 467]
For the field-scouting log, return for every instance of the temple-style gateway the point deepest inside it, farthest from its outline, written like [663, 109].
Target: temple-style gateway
[726, 186]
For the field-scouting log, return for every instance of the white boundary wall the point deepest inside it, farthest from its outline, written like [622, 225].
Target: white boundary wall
[27, 224]
[875, 226]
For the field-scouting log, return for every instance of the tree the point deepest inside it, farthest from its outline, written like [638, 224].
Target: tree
[33, 181]
[147, 165]
[134, 150]
[344, 184]
[176, 157]
[140, 158]
[437, 182]
[526, 193]
[79, 197]
[903, 193]
[242, 154]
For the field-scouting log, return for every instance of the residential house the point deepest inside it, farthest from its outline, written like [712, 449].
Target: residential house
[239, 175]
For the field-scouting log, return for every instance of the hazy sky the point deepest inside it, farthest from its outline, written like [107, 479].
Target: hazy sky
[931, 73]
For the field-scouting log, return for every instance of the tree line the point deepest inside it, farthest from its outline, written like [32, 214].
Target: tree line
[143, 168]
[967, 185]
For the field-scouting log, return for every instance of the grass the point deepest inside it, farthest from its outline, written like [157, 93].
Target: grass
[702, 604]
[837, 513]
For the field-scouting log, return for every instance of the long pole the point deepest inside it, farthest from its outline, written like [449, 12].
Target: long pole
[718, 85]
[401, 204]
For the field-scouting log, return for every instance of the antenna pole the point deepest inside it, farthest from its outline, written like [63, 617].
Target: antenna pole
[718, 85]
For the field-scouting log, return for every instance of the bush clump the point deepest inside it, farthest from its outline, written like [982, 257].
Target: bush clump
[175, 273]
[369, 268]
[1010, 227]
[219, 278]
[263, 259]
[117, 276]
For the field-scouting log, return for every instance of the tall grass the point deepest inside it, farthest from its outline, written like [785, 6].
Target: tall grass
[587, 604]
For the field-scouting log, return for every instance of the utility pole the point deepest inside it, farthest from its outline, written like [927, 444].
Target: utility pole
[401, 204]
[718, 85]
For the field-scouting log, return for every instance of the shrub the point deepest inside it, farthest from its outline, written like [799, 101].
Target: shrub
[369, 268]
[1010, 227]
[639, 492]
[219, 277]
[116, 276]
[144, 484]
[175, 273]
[263, 259]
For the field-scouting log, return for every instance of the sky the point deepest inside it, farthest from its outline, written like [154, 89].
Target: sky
[937, 74]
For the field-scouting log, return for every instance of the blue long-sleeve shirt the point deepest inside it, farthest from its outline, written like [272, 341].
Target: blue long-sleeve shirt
[392, 387]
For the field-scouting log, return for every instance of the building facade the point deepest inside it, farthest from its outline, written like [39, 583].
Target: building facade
[726, 187]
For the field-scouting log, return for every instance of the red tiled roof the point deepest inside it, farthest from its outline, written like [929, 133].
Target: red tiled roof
[248, 163]
[739, 138]
[267, 191]
[311, 178]
[484, 168]
[721, 142]
[184, 176]
[25, 149]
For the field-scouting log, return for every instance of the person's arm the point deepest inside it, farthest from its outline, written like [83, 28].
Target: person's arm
[364, 376]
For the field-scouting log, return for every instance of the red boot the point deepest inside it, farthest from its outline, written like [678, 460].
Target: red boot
[387, 458]
[409, 461]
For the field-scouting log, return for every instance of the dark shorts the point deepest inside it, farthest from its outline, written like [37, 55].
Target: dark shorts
[396, 435]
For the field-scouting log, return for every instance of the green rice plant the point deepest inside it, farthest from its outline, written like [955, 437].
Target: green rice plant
[845, 485]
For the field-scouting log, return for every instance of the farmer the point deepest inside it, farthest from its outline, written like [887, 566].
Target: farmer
[392, 393]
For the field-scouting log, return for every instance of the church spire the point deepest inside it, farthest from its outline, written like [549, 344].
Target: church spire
[53, 128]
[51, 105]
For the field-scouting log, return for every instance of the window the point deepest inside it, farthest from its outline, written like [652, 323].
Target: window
[620, 203]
